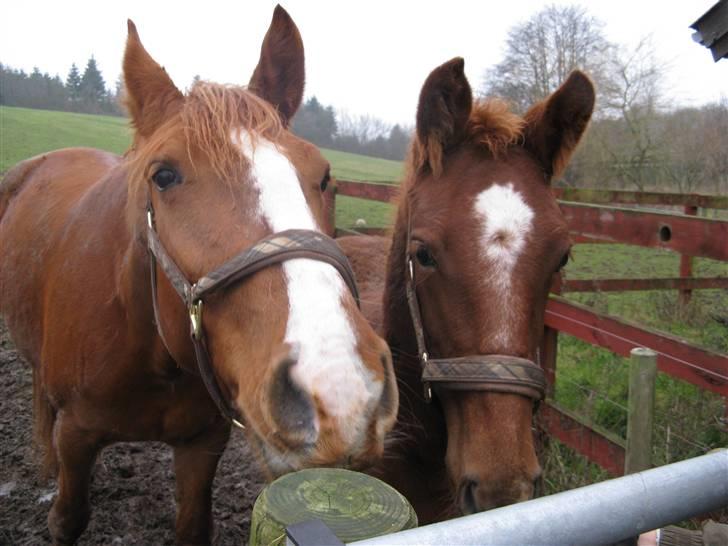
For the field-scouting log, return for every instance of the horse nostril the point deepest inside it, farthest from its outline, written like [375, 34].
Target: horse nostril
[468, 503]
[291, 407]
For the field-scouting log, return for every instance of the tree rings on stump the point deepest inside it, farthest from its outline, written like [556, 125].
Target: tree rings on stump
[353, 505]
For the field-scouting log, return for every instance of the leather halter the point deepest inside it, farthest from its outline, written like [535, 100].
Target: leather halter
[496, 373]
[274, 249]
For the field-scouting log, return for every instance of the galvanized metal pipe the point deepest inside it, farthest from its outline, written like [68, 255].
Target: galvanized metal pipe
[602, 513]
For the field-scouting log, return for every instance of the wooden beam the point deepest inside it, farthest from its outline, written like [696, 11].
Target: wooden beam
[367, 190]
[684, 234]
[675, 356]
[624, 285]
[602, 448]
[613, 197]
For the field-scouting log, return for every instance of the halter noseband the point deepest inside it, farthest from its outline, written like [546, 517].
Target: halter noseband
[496, 373]
[274, 249]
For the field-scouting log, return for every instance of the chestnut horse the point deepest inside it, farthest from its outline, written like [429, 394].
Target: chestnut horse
[484, 235]
[209, 174]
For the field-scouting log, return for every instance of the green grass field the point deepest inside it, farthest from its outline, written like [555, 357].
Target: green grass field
[25, 133]
[591, 381]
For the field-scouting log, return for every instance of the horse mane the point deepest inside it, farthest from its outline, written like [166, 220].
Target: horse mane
[207, 117]
[212, 111]
[491, 126]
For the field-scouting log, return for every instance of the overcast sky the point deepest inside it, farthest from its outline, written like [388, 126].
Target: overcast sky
[367, 57]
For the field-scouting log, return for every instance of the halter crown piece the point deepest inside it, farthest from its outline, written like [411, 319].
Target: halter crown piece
[274, 249]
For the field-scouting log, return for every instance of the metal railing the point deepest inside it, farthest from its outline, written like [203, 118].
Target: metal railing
[603, 513]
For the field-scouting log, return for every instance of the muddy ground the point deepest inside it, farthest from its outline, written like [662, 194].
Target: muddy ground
[132, 494]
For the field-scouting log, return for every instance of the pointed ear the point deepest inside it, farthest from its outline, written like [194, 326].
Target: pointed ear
[150, 94]
[442, 113]
[280, 74]
[555, 125]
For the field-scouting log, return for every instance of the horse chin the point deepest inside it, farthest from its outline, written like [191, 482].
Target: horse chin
[277, 462]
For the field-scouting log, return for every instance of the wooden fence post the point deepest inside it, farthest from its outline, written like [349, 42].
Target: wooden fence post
[642, 373]
[549, 351]
[330, 211]
[686, 263]
[550, 344]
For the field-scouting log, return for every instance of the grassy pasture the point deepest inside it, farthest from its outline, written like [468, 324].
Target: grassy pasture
[25, 132]
[591, 381]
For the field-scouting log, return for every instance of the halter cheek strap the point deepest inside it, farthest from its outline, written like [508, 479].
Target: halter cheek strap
[276, 248]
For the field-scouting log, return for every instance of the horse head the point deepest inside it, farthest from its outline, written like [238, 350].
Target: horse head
[484, 236]
[214, 171]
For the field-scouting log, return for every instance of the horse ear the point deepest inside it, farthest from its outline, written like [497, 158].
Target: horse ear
[555, 125]
[442, 113]
[280, 74]
[151, 95]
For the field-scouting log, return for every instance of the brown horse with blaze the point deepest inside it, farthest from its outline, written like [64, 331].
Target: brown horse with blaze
[478, 236]
[283, 347]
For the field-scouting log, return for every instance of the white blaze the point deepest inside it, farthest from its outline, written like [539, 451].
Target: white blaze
[329, 365]
[506, 222]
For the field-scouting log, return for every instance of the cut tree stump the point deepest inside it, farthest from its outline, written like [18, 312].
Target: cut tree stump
[353, 505]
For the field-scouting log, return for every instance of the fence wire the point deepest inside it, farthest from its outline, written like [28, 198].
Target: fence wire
[594, 384]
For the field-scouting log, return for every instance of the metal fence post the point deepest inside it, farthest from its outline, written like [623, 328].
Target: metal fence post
[642, 373]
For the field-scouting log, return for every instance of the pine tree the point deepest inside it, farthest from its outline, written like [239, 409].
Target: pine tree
[73, 84]
[93, 87]
[315, 122]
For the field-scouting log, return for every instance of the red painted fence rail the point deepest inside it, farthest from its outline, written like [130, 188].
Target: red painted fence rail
[685, 234]
[675, 356]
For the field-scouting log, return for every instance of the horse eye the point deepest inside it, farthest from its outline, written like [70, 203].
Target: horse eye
[165, 177]
[325, 181]
[563, 262]
[425, 257]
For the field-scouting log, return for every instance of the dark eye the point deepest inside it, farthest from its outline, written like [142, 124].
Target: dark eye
[165, 177]
[325, 181]
[563, 262]
[425, 257]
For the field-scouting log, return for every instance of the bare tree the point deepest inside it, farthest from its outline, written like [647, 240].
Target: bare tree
[362, 127]
[636, 140]
[695, 144]
[541, 52]
[632, 93]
